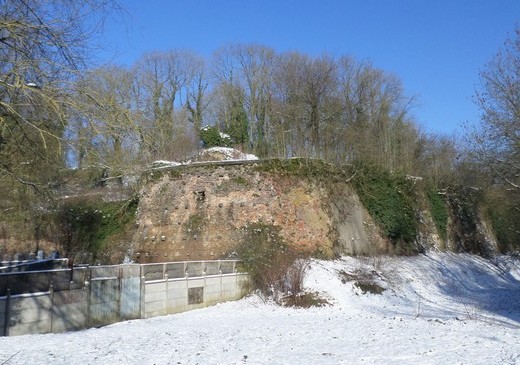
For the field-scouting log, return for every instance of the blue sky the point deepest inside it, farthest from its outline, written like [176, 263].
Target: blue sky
[437, 48]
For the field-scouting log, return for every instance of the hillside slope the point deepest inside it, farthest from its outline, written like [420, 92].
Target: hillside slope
[436, 309]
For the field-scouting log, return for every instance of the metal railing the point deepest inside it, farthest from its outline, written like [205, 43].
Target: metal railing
[183, 269]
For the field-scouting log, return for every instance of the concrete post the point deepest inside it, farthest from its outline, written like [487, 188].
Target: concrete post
[7, 318]
[118, 294]
[51, 294]
[142, 292]
[167, 296]
[88, 288]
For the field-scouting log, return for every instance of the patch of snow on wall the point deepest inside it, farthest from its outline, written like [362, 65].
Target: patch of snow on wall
[225, 153]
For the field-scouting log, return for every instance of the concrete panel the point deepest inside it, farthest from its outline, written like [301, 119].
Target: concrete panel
[36, 327]
[227, 267]
[229, 289]
[213, 268]
[178, 284]
[131, 270]
[177, 309]
[196, 306]
[155, 287]
[193, 283]
[153, 309]
[30, 308]
[195, 268]
[212, 290]
[155, 305]
[102, 314]
[30, 314]
[175, 270]
[104, 271]
[176, 293]
[102, 291]
[153, 272]
[3, 305]
[213, 280]
[212, 297]
[230, 293]
[180, 303]
[70, 317]
[130, 300]
[229, 278]
[3, 309]
[70, 297]
[155, 296]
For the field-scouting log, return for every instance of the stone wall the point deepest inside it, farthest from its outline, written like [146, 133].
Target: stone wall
[204, 212]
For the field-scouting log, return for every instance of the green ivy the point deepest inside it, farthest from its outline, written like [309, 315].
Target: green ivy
[502, 210]
[389, 200]
[211, 137]
[316, 169]
[83, 226]
[439, 212]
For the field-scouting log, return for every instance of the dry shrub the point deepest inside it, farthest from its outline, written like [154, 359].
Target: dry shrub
[305, 300]
[294, 276]
[276, 270]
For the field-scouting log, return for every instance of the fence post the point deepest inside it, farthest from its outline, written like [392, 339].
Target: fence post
[88, 287]
[166, 296]
[186, 276]
[119, 290]
[51, 293]
[220, 273]
[7, 311]
[142, 292]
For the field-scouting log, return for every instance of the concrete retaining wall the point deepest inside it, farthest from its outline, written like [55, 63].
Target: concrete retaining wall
[122, 292]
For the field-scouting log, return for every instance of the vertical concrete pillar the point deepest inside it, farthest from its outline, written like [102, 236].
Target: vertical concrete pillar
[7, 318]
[51, 294]
[142, 290]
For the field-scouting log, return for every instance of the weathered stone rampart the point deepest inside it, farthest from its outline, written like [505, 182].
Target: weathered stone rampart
[205, 211]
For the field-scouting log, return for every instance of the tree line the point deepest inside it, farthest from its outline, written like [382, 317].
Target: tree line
[272, 104]
[57, 113]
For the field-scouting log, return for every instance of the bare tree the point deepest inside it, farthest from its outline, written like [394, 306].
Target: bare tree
[498, 140]
[197, 99]
[257, 66]
[105, 133]
[43, 45]
[167, 81]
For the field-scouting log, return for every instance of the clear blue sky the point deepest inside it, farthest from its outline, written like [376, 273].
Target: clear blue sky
[437, 48]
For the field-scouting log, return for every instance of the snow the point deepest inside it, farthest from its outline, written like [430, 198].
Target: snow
[231, 153]
[436, 309]
[224, 135]
[160, 164]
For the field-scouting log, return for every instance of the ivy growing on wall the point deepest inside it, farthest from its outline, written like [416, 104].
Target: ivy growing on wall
[389, 198]
[438, 211]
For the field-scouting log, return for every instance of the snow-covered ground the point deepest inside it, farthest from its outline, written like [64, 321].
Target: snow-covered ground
[436, 309]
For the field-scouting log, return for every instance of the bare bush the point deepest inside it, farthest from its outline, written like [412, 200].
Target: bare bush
[293, 283]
